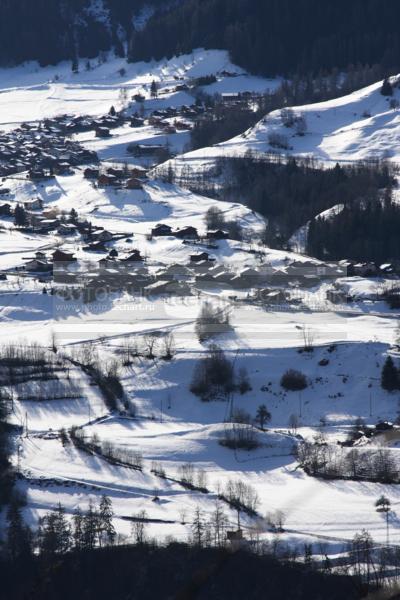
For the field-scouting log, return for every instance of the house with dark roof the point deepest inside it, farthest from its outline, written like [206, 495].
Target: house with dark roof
[202, 256]
[134, 256]
[161, 230]
[90, 173]
[38, 266]
[187, 233]
[60, 256]
[134, 184]
[103, 132]
[217, 235]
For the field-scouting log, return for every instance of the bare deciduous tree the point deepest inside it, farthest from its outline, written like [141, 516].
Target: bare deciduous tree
[150, 341]
[138, 527]
[169, 346]
[293, 423]
[214, 218]
[308, 338]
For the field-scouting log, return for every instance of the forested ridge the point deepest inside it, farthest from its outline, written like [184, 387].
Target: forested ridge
[268, 37]
[273, 37]
[290, 193]
[366, 230]
[53, 30]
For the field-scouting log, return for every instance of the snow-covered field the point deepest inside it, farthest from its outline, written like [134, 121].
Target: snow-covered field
[172, 426]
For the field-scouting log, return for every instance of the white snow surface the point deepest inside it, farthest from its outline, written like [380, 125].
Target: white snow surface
[172, 426]
[360, 126]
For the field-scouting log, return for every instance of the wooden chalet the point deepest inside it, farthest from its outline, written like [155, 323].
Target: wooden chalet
[161, 230]
[187, 233]
[60, 256]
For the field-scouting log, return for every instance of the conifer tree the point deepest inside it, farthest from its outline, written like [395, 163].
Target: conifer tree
[20, 217]
[77, 530]
[390, 377]
[54, 535]
[19, 536]
[198, 527]
[154, 89]
[386, 89]
[106, 529]
[90, 527]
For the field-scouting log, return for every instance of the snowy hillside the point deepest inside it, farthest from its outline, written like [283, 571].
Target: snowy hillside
[364, 125]
[31, 93]
[140, 327]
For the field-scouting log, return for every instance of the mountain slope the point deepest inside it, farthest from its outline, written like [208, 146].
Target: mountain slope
[360, 126]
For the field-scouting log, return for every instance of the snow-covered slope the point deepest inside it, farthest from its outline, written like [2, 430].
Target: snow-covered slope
[360, 126]
[172, 426]
[31, 93]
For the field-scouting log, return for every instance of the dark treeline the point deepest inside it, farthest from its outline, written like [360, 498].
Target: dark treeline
[145, 572]
[278, 37]
[6, 471]
[269, 37]
[291, 192]
[63, 29]
[365, 230]
[222, 123]
[47, 31]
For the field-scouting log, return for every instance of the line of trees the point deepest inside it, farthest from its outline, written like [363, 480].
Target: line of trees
[291, 192]
[145, 570]
[109, 451]
[320, 459]
[56, 535]
[264, 37]
[6, 470]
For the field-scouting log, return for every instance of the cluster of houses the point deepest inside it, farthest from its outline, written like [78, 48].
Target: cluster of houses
[188, 233]
[267, 285]
[68, 125]
[40, 220]
[370, 269]
[42, 149]
[293, 275]
[149, 151]
[45, 149]
[168, 120]
[240, 98]
[131, 178]
[175, 119]
[43, 263]
[133, 274]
